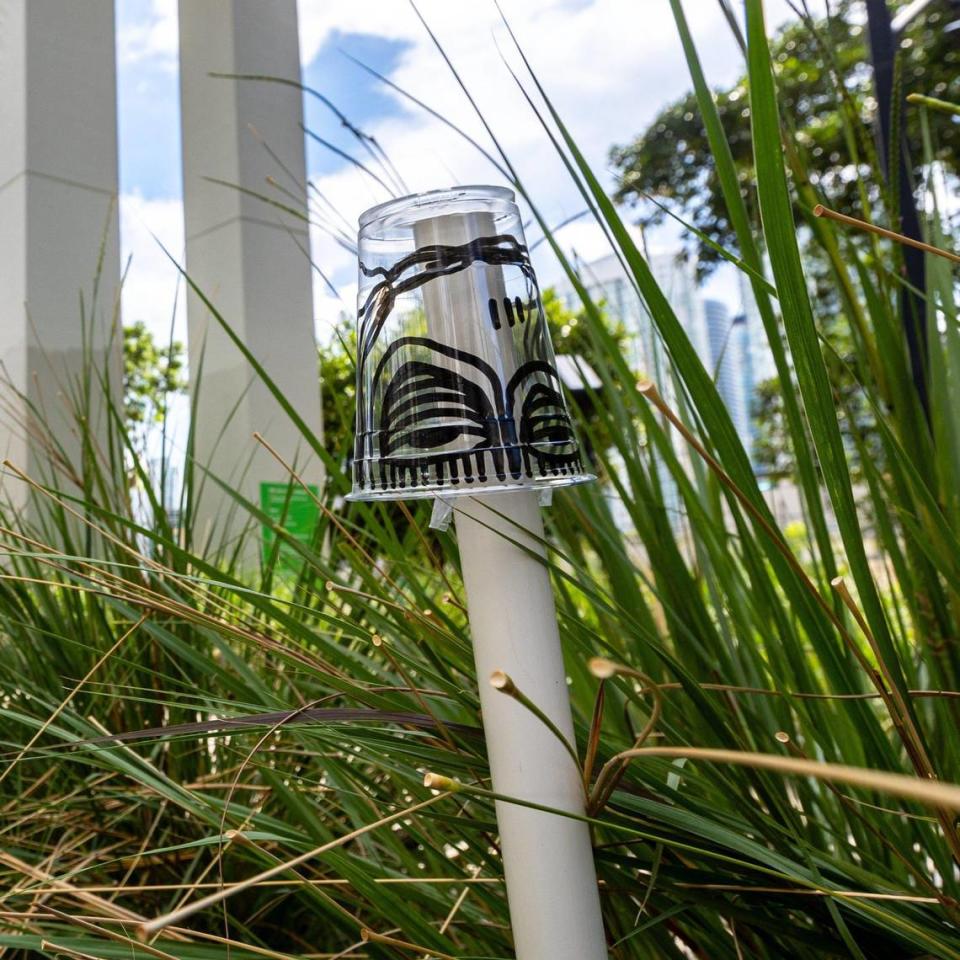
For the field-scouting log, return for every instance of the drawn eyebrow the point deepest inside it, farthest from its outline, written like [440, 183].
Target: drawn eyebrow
[437, 260]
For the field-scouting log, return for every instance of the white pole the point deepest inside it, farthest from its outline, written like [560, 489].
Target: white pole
[248, 257]
[58, 236]
[547, 859]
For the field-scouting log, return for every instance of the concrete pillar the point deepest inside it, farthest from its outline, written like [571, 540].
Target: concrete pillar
[59, 260]
[248, 257]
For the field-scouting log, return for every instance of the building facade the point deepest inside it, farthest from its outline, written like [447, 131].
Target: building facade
[728, 346]
[730, 364]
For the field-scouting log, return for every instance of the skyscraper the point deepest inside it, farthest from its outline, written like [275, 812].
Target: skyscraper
[731, 348]
[676, 274]
[742, 344]
[729, 363]
[761, 357]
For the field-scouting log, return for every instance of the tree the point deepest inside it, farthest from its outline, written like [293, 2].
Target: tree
[570, 329]
[671, 160]
[772, 453]
[151, 375]
[338, 387]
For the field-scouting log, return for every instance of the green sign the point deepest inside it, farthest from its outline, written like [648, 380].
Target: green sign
[295, 510]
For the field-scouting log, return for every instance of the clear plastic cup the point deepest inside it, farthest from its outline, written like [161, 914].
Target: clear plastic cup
[457, 386]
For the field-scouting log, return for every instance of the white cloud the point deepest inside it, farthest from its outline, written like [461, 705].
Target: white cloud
[151, 283]
[153, 39]
[607, 65]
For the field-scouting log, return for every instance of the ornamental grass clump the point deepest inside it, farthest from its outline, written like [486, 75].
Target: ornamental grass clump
[197, 756]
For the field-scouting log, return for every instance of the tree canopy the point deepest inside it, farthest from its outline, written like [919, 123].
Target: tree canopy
[671, 160]
[151, 374]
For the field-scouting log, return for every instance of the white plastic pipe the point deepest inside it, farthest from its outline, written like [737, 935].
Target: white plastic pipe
[547, 859]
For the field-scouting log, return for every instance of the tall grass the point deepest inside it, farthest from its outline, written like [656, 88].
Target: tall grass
[174, 727]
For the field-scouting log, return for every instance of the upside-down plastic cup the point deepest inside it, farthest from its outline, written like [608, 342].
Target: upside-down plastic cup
[458, 397]
[457, 386]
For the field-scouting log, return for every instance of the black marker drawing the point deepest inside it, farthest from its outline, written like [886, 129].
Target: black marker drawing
[434, 260]
[515, 311]
[441, 397]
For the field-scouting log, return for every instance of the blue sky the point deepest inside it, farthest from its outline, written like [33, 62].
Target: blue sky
[609, 65]
[148, 111]
[360, 96]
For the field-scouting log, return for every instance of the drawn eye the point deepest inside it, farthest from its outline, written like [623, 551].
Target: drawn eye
[543, 419]
[427, 407]
[439, 416]
[545, 433]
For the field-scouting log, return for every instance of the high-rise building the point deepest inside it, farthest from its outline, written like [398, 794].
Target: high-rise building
[606, 281]
[676, 274]
[731, 348]
[730, 364]
[742, 344]
[761, 357]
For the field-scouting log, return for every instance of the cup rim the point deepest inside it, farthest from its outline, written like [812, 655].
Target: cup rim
[430, 198]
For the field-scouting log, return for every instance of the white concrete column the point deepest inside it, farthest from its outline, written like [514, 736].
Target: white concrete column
[248, 257]
[59, 260]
